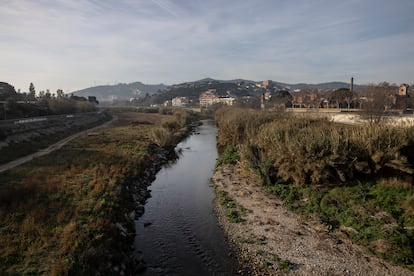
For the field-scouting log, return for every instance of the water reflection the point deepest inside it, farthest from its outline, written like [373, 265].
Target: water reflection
[178, 233]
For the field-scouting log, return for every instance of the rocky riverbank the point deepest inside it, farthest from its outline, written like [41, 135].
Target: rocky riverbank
[134, 194]
[274, 241]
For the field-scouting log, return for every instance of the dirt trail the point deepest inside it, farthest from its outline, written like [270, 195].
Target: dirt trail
[271, 234]
[51, 148]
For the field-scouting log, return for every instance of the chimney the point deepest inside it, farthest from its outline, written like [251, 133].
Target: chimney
[262, 101]
[351, 85]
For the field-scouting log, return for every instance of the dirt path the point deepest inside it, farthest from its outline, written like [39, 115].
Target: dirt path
[51, 148]
[273, 238]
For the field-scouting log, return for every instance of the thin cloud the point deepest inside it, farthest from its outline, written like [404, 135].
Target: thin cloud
[71, 44]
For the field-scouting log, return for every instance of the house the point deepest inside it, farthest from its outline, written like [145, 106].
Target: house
[179, 102]
[209, 98]
[167, 103]
[305, 99]
[403, 91]
[92, 99]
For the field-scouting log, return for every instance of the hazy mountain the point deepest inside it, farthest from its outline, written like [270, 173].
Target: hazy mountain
[280, 85]
[238, 87]
[323, 86]
[121, 91]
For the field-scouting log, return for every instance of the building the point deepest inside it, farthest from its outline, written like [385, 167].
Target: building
[305, 99]
[209, 98]
[266, 84]
[179, 102]
[92, 99]
[403, 91]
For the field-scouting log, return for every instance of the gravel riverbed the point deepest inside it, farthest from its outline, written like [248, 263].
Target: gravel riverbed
[274, 241]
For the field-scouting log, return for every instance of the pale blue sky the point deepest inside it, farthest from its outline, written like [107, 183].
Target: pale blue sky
[73, 44]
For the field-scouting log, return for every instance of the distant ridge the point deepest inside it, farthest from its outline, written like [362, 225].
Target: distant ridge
[288, 86]
[121, 91]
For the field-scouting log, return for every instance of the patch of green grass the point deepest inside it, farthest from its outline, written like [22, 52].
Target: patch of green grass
[377, 213]
[285, 265]
[229, 156]
[234, 211]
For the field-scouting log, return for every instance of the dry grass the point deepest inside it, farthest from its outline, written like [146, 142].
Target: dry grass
[357, 177]
[57, 212]
[316, 151]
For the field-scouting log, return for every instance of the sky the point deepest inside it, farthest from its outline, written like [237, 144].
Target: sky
[75, 44]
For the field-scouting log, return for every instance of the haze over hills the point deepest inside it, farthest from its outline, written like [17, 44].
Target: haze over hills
[121, 91]
[124, 91]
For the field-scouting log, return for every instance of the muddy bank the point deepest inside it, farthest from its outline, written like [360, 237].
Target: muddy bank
[275, 241]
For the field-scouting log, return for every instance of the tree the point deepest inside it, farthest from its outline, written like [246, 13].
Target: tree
[378, 99]
[32, 92]
[59, 93]
[342, 97]
[281, 99]
[47, 94]
[9, 105]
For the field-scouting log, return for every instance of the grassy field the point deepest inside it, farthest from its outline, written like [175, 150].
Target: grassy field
[356, 179]
[58, 212]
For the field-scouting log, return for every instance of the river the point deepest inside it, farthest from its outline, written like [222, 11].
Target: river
[179, 234]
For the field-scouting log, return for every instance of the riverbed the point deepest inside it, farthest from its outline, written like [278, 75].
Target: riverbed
[179, 234]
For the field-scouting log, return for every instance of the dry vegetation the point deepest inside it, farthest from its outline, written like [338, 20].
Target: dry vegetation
[58, 211]
[357, 178]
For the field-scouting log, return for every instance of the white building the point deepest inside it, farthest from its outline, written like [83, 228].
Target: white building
[179, 102]
[209, 98]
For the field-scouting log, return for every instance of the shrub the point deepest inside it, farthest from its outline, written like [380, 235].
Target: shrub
[229, 156]
[315, 151]
[234, 210]
[327, 163]
[162, 137]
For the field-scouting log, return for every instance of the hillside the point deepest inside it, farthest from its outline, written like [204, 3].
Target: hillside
[324, 86]
[236, 88]
[121, 91]
[192, 89]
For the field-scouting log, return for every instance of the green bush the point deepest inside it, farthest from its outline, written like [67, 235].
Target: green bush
[229, 156]
[234, 210]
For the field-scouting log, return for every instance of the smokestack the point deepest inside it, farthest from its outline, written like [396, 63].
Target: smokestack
[351, 85]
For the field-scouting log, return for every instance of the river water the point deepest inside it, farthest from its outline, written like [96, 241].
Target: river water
[178, 234]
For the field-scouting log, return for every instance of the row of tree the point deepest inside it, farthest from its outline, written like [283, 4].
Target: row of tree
[380, 97]
[18, 105]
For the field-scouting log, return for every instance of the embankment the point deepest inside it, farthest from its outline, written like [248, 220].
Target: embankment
[72, 211]
[21, 137]
[275, 241]
[356, 180]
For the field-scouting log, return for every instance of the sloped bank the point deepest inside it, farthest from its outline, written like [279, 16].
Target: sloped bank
[134, 194]
[275, 241]
[21, 137]
[70, 212]
[356, 179]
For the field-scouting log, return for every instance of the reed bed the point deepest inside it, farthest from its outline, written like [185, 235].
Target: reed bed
[356, 179]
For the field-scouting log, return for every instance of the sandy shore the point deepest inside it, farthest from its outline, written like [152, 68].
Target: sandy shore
[275, 241]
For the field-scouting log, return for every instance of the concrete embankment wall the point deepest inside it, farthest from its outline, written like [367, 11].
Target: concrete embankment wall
[25, 129]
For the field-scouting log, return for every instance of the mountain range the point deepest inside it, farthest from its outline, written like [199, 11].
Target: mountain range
[123, 91]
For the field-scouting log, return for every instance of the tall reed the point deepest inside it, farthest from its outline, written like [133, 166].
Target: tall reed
[313, 150]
